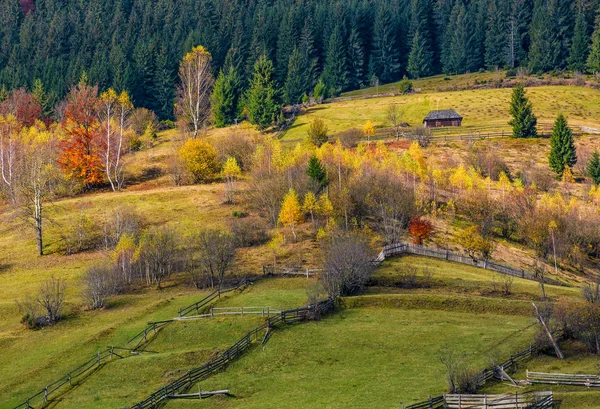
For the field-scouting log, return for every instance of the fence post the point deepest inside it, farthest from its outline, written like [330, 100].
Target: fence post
[447, 254]
[430, 402]
[98, 358]
[212, 312]
[485, 400]
[459, 401]
[516, 400]
[242, 310]
[522, 273]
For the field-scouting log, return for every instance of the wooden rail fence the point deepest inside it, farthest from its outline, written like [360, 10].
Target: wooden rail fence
[399, 249]
[101, 357]
[291, 271]
[186, 381]
[589, 381]
[215, 311]
[483, 376]
[531, 400]
[505, 401]
[42, 397]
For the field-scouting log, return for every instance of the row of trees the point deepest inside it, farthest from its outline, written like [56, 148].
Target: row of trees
[136, 45]
[41, 158]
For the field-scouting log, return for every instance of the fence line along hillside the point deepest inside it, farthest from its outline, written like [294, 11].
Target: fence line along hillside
[589, 381]
[44, 395]
[400, 249]
[186, 381]
[530, 400]
[505, 401]
[291, 271]
[153, 328]
[482, 377]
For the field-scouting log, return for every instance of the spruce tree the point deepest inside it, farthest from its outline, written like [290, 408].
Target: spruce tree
[162, 87]
[225, 98]
[419, 59]
[593, 60]
[460, 41]
[579, 45]
[335, 71]
[308, 59]
[286, 41]
[422, 21]
[356, 59]
[562, 146]
[544, 51]
[317, 174]
[593, 168]
[262, 102]
[293, 88]
[495, 39]
[524, 121]
[385, 47]
[46, 101]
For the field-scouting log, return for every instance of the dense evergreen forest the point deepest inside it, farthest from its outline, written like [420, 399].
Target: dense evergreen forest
[136, 45]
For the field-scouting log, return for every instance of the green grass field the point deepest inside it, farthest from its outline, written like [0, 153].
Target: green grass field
[481, 109]
[48, 354]
[360, 358]
[459, 279]
[576, 361]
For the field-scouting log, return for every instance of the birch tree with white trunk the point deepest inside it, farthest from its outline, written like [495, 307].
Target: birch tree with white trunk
[195, 89]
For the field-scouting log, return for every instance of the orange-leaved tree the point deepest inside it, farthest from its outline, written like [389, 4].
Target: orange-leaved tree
[80, 152]
[420, 229]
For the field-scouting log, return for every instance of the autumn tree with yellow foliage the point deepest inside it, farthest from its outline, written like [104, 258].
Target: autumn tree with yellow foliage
[290, 214]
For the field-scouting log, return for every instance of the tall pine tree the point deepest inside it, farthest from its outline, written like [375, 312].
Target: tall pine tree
[386, 65]
[225, 98]
[495, 39]
[335, 71]
[579, 45]
[545, 49]
[419, 59]
[524, 121]
[593, 60]
[562, 147]
[262, 100]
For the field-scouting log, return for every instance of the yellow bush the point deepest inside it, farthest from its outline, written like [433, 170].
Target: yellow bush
[200, 160]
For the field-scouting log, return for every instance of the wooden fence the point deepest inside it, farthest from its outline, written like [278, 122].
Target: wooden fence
[95, 362]
[215, 311]
[531, 400]
[400, 249]
[589, 381]
[186, 381]
[504, 401]
[483, 376]
[291, 271]
[102, 356]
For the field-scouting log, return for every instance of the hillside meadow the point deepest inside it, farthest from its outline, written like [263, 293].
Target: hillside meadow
[485, 109]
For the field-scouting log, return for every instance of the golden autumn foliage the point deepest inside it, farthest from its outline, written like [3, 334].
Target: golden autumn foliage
[290, 214]
[200, 159]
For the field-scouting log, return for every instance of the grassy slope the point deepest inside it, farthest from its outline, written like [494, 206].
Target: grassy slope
[480, 108]
[181, 346]
[433, 83]
[360, 358]
[454, 278]
[577, 361]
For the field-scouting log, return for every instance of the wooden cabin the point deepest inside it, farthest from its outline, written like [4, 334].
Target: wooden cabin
[445, 117]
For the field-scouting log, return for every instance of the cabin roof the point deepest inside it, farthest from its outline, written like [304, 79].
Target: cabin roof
[442, 114]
